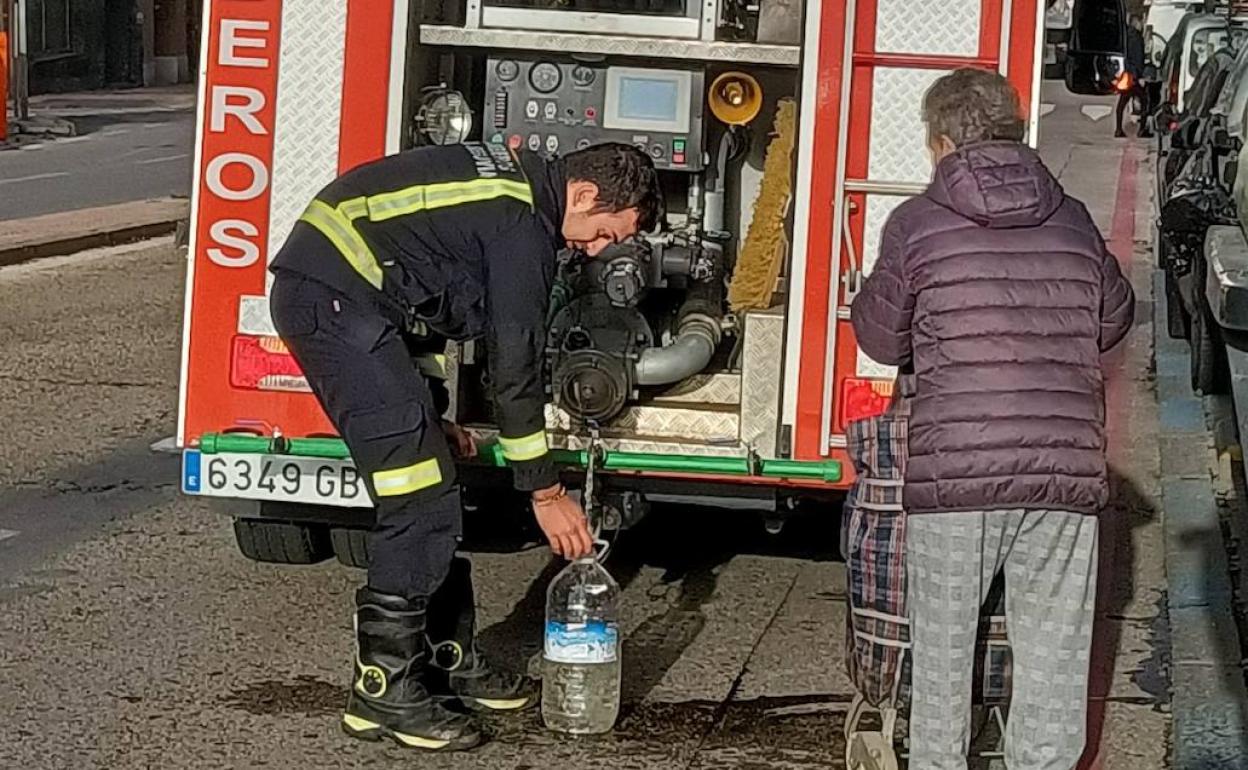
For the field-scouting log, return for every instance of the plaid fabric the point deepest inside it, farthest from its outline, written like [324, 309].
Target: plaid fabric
[873, 542]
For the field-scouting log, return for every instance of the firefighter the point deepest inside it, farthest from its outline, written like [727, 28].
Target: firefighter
[456, 242]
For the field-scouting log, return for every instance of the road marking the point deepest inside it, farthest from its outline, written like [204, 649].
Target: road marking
[33, 177]
[26, 147]
[73, 139]
[1046, 108]
[162, 159]
[5, 534]
[1096, 111]
[115, 132]
[167, 445]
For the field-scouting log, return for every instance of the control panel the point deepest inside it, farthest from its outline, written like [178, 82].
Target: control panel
[555, 106]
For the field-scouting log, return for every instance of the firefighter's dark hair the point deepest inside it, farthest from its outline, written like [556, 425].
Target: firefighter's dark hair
[973, 105]
[625, 177]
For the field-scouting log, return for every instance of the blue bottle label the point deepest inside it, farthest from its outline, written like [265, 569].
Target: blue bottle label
[594, 642]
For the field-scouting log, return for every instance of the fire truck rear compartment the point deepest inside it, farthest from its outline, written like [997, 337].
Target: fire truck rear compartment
[642, 341]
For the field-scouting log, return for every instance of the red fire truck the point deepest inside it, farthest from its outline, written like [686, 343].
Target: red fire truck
[785, 133]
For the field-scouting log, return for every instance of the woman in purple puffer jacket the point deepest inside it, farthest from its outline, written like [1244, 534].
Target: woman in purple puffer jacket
[997, 289]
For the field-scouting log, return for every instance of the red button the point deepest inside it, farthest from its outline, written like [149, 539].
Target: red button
[678, 157]
[514, 141]
[591, 113]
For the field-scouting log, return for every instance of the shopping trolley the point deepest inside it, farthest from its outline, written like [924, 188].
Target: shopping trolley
[873, 541]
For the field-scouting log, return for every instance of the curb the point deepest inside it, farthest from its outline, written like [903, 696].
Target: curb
[55, 235]
[1209, 695]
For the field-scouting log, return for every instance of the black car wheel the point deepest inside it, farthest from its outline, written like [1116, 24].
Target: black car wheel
[1178, 322]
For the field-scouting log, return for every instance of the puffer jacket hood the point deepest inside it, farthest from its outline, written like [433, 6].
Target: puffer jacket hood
[997, 184]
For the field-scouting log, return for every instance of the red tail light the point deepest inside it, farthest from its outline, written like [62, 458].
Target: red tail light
[1123, 83]
[264, 363]
[863, 398]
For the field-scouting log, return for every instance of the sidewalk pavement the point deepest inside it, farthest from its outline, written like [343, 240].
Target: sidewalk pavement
[72, 231]
[1204, 517]
[53, 115]
[1128, 714]
[1167, 683]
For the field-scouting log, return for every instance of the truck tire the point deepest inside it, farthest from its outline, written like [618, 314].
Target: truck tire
[351, 547]
[281, 542]
[1178, 323]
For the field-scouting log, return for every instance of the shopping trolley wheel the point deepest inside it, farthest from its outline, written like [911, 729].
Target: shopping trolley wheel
[870, 750]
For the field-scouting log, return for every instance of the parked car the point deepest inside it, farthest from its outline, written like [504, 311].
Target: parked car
[1233, 101]
[1186, 129]
[1198, 196]
[1195, 39]
[1163, 16]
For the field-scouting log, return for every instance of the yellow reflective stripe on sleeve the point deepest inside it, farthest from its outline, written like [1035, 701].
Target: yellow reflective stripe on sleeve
[338, 229]
[404, 481]
[354, 208]
[432, 365]
[442, 195]
[528, 447]
[337, 222]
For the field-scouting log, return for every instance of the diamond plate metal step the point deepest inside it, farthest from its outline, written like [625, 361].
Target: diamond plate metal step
[721, 389]
[618, 45]
[701, 426]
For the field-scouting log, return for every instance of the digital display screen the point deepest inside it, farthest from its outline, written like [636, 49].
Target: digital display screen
[643, 98]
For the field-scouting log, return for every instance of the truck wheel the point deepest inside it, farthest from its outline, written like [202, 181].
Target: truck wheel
[351, 547]
[1178, 324]
[281, 542]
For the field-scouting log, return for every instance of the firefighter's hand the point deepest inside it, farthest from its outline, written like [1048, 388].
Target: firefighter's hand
[563, 522]
[461, 441]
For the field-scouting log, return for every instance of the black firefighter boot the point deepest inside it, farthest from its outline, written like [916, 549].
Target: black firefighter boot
[460, 670]
[388, 695]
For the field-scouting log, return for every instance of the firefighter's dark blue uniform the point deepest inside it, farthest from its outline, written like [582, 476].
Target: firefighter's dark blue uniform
[460, 240]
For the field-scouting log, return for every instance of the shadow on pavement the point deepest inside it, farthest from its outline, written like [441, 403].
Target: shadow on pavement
[1129, 508]
[689, 544]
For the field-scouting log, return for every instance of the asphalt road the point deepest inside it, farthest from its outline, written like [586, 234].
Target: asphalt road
[117, 156]
[135, 636]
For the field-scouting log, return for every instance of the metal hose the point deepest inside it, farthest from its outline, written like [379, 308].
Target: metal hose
[689, 353]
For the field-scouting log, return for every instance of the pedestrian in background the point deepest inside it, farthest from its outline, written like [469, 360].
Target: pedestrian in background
[1134, 63]
[997, 288]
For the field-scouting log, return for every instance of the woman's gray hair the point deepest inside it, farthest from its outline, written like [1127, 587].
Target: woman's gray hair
[973, 105]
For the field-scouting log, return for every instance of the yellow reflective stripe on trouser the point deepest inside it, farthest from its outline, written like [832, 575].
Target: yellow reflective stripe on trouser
[439, 195]
[432, 365]
[404, 481]
[528, 447]
[339, 230]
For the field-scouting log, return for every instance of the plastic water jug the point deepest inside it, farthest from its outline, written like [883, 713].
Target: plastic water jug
[581, 658]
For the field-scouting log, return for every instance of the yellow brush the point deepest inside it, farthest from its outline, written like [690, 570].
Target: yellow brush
[758, 265]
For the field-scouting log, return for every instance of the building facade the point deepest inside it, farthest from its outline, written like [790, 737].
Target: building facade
[76, 45]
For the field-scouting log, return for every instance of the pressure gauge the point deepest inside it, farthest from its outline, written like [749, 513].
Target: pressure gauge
[582, 75]
[545, 77]
[507, 70]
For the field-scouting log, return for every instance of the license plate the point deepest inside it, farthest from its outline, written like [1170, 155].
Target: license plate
[273, 477]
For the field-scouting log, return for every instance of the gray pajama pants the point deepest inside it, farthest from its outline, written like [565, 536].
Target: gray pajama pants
[1049, 559]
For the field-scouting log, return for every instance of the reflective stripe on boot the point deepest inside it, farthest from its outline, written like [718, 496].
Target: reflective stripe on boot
[388, 696]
